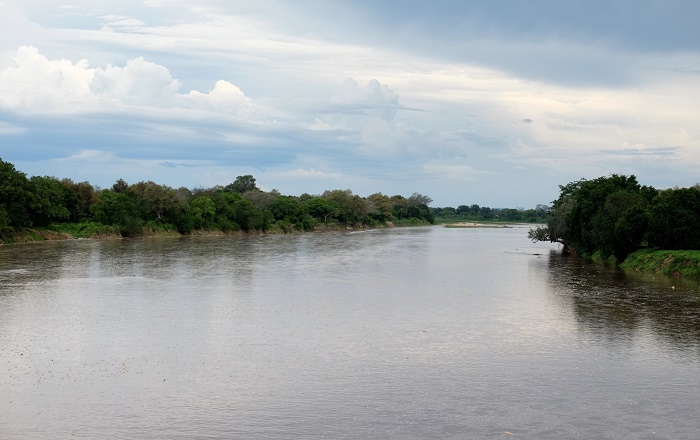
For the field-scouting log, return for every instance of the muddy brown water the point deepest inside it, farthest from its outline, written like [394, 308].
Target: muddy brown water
[408, 333]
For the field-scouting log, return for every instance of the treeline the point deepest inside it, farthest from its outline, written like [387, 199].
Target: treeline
[476, 213]
[40, 202]
[615, 216]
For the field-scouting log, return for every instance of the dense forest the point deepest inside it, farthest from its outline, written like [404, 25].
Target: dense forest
[129, 210]
[84, 210]
[476, 213]
[613, 216]
[609, 217]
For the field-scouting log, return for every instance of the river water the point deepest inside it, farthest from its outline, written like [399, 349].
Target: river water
[406, 333]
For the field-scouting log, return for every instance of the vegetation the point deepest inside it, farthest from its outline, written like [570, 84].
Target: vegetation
[31, 205]
[484, 214]
[671, 263]
[613, 217]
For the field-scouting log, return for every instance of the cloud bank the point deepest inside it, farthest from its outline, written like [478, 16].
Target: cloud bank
[465, 101]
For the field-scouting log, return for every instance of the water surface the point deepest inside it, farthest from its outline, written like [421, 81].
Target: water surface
[402, 333]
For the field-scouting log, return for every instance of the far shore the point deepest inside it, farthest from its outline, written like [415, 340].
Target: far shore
[474, 225]
[32, 235]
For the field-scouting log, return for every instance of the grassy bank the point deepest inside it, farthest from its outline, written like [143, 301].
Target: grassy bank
[684, 264]
[87, 230]
[94, 230]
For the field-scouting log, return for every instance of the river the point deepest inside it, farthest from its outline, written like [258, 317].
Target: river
[405, 333]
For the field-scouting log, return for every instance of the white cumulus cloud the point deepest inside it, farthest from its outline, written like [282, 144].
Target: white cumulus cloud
[139, 82]
[224, 98]
[38, 85]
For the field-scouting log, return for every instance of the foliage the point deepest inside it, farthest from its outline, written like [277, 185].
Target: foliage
[411, 222]
[286, 208]
[673, 263]
[380, 207]
[675, 219]
[4, 221]
[321, 209]
[261, 199]
[476, 213]
[249, 216]
[202, 212]
[419, 199]
[412, 208]
[606, 216]
[50, 200]
[85, 195]
[118, 209]
[242, 184]
[86, 229]
[351, 208]
[614, 216]
[156, 202]
[82, 210]
[16, 197]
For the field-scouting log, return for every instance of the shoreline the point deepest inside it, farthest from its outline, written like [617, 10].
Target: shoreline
[671, 263]
[31, 235]
[474, 225]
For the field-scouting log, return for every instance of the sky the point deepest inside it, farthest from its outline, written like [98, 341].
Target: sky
[495, 103]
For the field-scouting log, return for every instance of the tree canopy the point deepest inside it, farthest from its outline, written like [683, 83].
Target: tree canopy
[613, 216]
[241, 205]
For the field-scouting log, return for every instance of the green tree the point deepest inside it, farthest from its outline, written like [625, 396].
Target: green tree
[242, 184]
[202, 212]
[583, 224]
[619, 226]
[557, 230]
[630, 230]
[118, 209]
[286, 208]
[352, 209]
[50, 201]
[261, 199]
[120, 186]
[250, 217]
[675, 219]
[421, 212]
[15, 196]
[225, 203]
[606, 215]
[321, 209]
[85, 196]
[156, 202]
[380, 207]
[4, 222]
[419, 199]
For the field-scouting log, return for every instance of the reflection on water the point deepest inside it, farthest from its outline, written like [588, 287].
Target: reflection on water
[614, 304]
[404, 333]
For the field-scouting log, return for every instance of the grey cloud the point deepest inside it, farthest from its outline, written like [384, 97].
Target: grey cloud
[659, 151]
[176, 165]
[482, 141]
[374, 98]
[581, 43]
[640, 25]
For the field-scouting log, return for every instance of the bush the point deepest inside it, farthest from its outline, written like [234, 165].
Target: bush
[133, 226]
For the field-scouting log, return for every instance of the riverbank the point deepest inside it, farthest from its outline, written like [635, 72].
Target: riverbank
[96, 231]
[676, 263]
[474, 225]
[32, 235]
